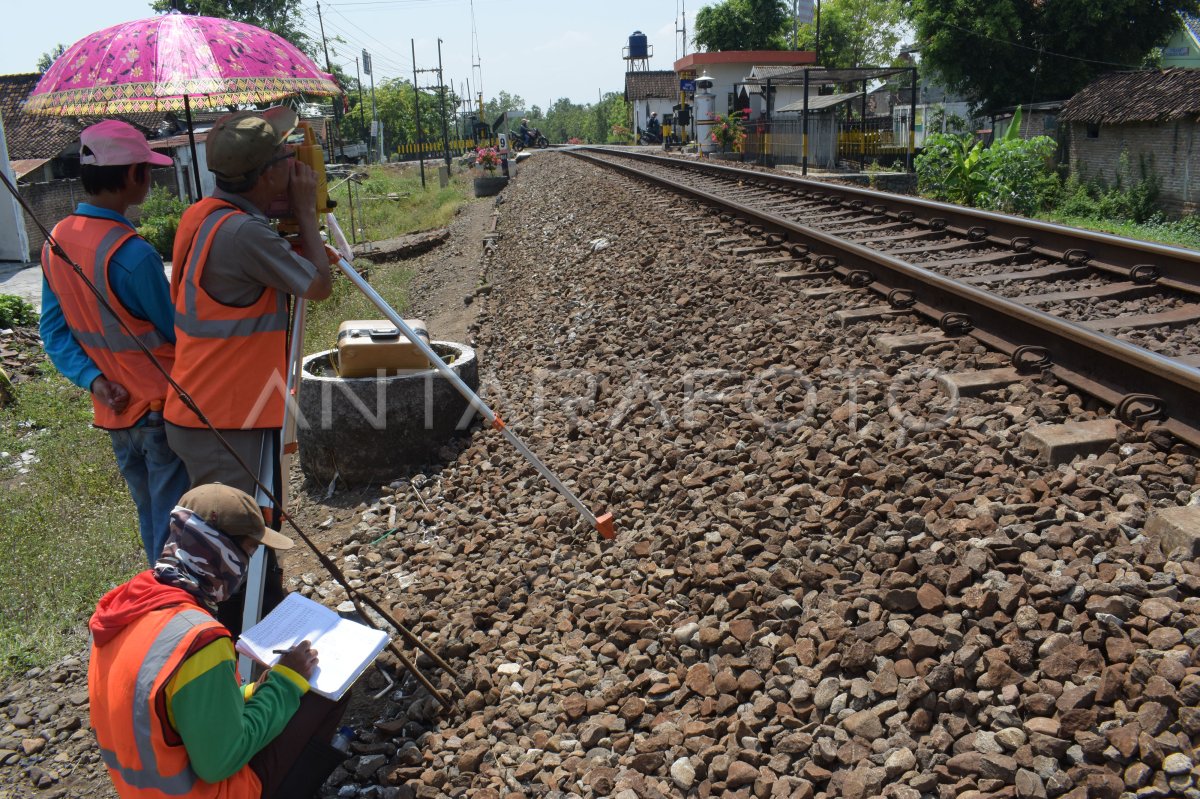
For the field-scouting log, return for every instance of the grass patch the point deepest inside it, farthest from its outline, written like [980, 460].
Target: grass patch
[68, 527]
[390, 201]
[1180, 233]
[395, 205]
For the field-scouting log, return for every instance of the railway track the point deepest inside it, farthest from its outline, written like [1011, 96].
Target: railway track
[1114, 318]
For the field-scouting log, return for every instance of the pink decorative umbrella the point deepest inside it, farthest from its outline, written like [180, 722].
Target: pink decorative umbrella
[166, 63]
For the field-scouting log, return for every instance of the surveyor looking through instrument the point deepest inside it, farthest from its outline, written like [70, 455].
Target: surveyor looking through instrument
[86, 342]
[233, 275]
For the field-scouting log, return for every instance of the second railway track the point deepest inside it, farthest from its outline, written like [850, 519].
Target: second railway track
[1115, 318]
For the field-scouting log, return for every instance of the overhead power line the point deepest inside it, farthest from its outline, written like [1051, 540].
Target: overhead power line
[1036, 49]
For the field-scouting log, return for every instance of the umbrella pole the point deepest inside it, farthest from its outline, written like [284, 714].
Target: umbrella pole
[187, 111]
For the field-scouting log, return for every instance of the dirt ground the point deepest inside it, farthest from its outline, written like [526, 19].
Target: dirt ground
[46, 750]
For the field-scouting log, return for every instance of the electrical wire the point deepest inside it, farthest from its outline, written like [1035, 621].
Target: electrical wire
[1036, 49]
[382, 59]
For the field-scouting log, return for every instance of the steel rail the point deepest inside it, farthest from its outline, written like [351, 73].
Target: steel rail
[1142, 386]
[1172, 267]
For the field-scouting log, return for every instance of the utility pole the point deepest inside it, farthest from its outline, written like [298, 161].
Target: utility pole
[362, 120]
[442, 84]
[376, 137]
[817, 46]
[337, 116]
[417, 106]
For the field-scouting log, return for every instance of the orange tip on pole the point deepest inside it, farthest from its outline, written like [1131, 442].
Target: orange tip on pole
[498, 424]
[604, 525]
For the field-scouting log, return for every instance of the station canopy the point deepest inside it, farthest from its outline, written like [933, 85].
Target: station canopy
[823, 76]
[817, 102]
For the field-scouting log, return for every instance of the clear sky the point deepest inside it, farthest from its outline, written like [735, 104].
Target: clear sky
[541, 50]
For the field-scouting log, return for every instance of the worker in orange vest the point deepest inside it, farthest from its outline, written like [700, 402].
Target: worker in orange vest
[169, 714]
[95, 346]
[232, 277]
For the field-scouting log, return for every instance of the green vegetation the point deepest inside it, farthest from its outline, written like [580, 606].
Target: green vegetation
[1014, 175]
[395, 204]
[160, 219]
[390, 202]
[1126, 207]
[1004, 52]
[15, 312]
[68, 528]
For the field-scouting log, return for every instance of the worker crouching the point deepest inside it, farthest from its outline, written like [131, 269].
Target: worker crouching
[169, 713]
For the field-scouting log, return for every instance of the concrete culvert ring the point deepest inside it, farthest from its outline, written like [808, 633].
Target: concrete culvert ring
[369, 429]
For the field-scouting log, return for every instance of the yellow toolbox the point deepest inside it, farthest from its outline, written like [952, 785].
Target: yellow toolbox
[367, 346]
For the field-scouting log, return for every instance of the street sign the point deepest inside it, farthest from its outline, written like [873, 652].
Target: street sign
[687, 85]
[804, 11]
[366, 62]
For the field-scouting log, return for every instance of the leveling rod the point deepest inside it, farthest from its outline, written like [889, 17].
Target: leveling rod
[603, 524]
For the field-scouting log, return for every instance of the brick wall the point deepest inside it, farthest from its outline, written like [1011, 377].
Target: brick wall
[50, 202]
[56, 199]
[1169, 150]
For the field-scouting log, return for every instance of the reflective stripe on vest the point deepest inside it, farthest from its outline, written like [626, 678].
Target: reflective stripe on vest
[98, 320]
[168, 640]
[112, 337]
[189, 322]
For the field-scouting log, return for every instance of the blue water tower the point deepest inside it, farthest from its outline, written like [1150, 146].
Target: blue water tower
[638, 46]
[637, 53]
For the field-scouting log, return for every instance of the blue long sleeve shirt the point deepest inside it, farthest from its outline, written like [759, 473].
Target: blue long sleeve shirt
[136, 275]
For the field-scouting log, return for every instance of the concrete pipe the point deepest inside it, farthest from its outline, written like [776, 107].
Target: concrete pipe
[369, 429]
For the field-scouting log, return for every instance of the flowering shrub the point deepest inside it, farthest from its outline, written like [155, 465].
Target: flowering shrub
[575, 140]
[727, 131]
[488, 158]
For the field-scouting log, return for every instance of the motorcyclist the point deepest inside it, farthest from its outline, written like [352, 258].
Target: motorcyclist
[653, 126]
[523, 132]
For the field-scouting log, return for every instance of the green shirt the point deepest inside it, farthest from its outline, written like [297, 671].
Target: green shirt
[223, 725]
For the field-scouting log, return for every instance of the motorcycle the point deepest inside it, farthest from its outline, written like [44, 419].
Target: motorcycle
[650, 137]
[536, 139]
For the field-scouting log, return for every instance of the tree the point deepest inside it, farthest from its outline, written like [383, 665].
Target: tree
[47, 60]
[281, 17]
[856, 33]
[1003, 52]
[742, 25]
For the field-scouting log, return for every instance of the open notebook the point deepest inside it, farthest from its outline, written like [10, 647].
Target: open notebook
[344, 648]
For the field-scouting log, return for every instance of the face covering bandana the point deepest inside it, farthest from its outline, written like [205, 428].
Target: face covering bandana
[202, 561]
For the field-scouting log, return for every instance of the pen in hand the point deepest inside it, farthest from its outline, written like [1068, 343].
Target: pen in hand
[280, 651]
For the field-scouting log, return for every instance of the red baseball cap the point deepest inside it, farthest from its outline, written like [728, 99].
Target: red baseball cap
[116, 143]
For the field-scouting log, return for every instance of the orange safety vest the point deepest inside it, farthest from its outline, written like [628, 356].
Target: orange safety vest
[127, 680]
[231, 360]
[91, 243]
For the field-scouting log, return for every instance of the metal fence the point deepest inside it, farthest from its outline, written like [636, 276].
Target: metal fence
[872, 140]
[832, 142]
[781, 141]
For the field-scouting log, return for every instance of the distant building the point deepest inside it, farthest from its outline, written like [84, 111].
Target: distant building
[1183, 48]
[1142, 124]
[649, 92]
[729, 70]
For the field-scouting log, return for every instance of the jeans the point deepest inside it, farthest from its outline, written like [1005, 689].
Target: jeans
[155, 475]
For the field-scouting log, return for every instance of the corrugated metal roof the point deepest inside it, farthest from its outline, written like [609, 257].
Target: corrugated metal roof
[1143, 96]
[765, 71]
[818, 102]
[659, 84]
